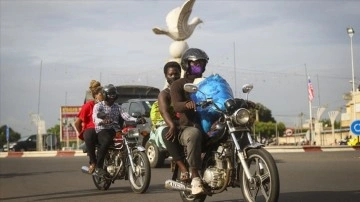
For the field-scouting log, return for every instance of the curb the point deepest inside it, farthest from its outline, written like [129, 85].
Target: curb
[43, 154]
[271, 149]
[291, 149]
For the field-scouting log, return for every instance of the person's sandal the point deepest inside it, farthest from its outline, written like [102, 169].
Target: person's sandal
[91, 168]
[184, 176]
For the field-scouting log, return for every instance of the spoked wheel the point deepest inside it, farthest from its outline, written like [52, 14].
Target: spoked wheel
[266, 184]
[102, 183]
[140, 178]
[186, 196]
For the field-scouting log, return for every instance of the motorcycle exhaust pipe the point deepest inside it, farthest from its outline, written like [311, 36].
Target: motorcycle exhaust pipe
[175, 186]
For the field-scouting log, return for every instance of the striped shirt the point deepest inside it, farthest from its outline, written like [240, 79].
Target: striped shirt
[114, 115]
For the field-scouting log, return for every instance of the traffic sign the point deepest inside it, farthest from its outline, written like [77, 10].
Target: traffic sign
[355, 127]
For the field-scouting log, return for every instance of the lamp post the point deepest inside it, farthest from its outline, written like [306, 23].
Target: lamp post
[351, 33]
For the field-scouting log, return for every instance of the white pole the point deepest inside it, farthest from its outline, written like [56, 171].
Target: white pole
[311, 123]
[235, 87]
[333, 115]
[39, 136]
[351, 33]
[353, 77]
[310, 111]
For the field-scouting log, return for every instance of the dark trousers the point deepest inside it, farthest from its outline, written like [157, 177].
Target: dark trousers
[175, 149]
[90, 138]
[105, 138]
[191, 137]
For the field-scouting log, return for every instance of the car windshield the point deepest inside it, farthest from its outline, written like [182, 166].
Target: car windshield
[23, 138]
[148, 105]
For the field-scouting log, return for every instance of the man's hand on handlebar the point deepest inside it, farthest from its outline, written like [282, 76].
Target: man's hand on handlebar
[105, 122]
[190, 105]
[141, 120]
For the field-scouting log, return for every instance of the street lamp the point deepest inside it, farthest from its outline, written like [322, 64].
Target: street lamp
[351, 33]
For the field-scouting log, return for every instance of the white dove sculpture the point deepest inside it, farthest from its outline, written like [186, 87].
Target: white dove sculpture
[177, 22]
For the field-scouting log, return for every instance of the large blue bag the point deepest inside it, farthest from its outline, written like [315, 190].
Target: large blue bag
[219, 90]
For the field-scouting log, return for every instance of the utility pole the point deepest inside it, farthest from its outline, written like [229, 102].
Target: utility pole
[39, 123]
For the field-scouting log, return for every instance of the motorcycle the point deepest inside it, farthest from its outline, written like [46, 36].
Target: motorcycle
[231, 158]
[125, 159]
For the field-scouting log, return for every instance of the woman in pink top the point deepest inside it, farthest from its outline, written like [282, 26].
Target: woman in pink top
[85, 125]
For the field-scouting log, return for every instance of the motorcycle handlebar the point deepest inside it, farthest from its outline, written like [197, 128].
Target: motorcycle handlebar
[206, 103]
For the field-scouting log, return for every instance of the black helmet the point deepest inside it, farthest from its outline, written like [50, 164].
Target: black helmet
[192, 54]
[110, 92]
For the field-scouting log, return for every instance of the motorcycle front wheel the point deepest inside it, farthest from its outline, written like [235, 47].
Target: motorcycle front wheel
[140, 178]
[266, 185]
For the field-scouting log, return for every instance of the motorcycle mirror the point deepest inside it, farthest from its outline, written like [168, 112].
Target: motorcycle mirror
[101, 115]
[247, 88]
[190, 88]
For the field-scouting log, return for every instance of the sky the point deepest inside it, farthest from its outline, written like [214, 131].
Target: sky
[50, 50]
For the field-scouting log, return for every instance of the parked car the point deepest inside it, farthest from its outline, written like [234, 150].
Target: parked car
[142, 106]
[25, 144]
[11, 146]
[156, 150]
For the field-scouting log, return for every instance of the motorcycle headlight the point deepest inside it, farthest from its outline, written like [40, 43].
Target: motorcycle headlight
[134, 132]
[241, 116]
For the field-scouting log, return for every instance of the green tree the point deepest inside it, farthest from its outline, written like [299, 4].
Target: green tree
[328, 123]
[54, 130]
[13, 135]
[266, 125]
[268, 129]
[264, 114]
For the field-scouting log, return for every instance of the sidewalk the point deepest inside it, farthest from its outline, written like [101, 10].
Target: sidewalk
[271, 149]
[43, 154]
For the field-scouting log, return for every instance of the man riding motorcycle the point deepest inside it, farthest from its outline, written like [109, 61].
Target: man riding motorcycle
[193, 62]
[108, 118]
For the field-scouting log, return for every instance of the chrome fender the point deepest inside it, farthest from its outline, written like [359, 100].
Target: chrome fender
[140, 148]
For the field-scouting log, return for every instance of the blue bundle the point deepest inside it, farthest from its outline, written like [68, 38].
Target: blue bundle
[219, 90]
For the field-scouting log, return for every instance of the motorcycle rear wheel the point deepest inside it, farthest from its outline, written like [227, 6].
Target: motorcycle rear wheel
[101, 182]
[263, 168]
[140, 179]
[188, 197]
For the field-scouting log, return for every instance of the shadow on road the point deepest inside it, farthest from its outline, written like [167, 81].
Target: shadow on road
[71, 194]
[79, 195]
[11, 175]
[328, 196]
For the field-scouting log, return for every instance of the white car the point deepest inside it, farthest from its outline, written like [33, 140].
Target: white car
[11, 147]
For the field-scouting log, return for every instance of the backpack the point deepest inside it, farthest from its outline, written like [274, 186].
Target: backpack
[155, 115]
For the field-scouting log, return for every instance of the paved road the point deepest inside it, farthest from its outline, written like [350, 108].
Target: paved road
[305, 177]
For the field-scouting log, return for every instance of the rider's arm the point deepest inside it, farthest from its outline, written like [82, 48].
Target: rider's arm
[82, 117]
[78, 125]
[164, 105]
[126, 116]
[177, 96]
[96, 120]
